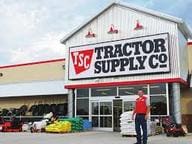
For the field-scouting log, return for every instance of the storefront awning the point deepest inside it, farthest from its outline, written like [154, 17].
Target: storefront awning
[125, 83]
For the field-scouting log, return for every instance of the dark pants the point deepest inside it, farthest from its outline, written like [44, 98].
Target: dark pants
[140, 122]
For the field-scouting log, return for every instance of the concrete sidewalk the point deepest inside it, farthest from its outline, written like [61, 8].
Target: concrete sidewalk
[92, 137]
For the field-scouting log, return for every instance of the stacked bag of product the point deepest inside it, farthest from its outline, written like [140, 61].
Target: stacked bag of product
[87, 125]
[127, 125]
[59, 127]
[76, 124]
[65, 125]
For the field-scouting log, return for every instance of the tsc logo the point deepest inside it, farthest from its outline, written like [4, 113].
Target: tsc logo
[82, 60]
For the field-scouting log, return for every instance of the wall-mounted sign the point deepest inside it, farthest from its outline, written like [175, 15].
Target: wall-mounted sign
[141, 55]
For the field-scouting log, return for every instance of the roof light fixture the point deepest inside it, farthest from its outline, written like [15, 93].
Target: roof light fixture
[113, 30]
[90, 34]
[138, 26]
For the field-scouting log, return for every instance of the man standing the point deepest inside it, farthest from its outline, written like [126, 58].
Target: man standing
[141, 110]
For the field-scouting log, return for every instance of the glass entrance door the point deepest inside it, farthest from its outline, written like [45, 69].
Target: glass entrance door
[117, 111]
[101, 114]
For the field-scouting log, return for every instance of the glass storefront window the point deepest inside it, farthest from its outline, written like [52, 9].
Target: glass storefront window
[108, 91]
[101, 102]
[82, 106]
[132, 90]
[158, 105]
[95, 108]
[105, 108]
[95, 121]
[157, 89]
[129, 105]
[106, 122]
[82, 92]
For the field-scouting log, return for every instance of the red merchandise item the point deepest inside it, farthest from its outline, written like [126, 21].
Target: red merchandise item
[141, 105]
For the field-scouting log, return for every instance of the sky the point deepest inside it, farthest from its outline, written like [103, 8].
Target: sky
[31, 30]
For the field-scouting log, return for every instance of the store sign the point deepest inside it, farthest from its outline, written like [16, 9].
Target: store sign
[142, 55]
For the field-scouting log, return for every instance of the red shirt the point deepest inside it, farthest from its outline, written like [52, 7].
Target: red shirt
[141, 105]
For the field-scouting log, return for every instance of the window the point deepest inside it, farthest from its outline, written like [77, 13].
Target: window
[157, 89]
[158, 105]
[132, 90]
[105, 108]
[95, 121]
[109, 91]
[82, 103]
[95, 108]
[158, 99]
[106, 122]
[82, 92]
[129, 105]
[82, 106]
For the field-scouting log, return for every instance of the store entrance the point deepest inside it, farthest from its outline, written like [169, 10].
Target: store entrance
[101, 114]
[117, 111]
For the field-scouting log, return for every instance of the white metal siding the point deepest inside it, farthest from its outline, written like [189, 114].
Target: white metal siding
[124, 19]
[183, 56]
[32, 89]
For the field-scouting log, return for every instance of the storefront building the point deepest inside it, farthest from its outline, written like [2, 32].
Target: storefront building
[122, 49]
[35, 86]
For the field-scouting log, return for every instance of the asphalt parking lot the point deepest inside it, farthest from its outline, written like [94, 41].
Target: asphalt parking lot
[91, 137]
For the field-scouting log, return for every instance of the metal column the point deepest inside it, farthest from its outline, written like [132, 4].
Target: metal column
[177, 102]
[70, 103]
